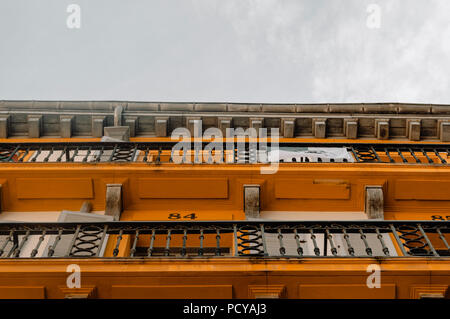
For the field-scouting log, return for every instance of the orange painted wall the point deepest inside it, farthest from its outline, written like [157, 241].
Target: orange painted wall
[155, 191]
[224, 277]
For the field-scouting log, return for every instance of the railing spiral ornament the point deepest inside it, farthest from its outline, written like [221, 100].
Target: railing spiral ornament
[122, 155]
[87, 242]
[250, 241]
[366, 155]
[413, 240]
[6, 154]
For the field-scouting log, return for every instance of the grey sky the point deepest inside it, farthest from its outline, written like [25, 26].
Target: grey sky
[226, 50]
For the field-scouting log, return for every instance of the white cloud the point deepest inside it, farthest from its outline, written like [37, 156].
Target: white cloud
[406, 60]
[227, 50]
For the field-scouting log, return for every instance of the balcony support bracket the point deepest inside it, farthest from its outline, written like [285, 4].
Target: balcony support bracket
[114, 200]
[374, 202]
[251, 201]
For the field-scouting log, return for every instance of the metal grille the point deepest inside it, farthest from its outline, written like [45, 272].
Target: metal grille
[239, 239]
[161, 152]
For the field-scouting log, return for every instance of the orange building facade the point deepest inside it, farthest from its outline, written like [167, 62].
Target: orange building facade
[355, 204]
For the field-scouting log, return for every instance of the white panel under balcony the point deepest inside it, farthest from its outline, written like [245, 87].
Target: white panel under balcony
[304, 216]
[339, 242]
[48, 217]
[273, 243]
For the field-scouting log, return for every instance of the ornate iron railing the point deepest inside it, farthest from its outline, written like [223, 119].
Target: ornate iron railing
[161, 152]
[258, 239]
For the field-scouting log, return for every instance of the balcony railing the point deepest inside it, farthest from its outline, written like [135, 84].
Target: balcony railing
[161, 152]
[238, 239]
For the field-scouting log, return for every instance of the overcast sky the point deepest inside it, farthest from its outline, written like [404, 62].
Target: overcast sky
[272, 51]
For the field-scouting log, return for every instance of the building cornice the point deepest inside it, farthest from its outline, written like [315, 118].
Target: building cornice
[65, 119]
[99, 106]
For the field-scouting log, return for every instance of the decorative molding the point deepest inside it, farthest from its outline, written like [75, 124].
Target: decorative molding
[382, 129]
[266, 291]
[114, 200]
[413, 127]
[252, 201]
[4, 126]
[428, 291]
[256, 123]
[66, 125]
[443, 130]
[161, 126]
[374, 202]
[351, 128]
[89, 118]
[34, 126]
[79, 293]
[288, 127]
[98, 122]
[132, 123]
[319, 127]
[118, 132]
[224, 123]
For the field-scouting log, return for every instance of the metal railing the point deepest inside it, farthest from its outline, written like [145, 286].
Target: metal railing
[161, 152]
[241, 239]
